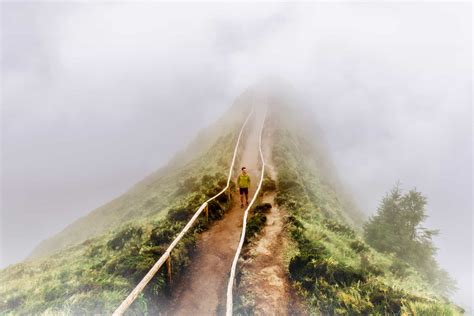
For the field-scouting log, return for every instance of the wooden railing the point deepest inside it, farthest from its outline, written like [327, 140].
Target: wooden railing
[166, 256]
[230, 285]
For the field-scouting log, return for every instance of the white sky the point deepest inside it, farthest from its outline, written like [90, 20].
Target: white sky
[97, 96]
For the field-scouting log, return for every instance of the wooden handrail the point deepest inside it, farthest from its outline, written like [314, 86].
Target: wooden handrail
[230, 285]
[156, 267]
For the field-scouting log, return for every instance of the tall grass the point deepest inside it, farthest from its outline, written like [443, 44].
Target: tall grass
[331, 267]
[94, 276]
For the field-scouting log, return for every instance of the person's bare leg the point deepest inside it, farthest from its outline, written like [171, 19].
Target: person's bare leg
[246, 198]
[241, 199]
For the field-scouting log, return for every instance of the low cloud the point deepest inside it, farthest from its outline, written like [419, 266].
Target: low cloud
[97, 96]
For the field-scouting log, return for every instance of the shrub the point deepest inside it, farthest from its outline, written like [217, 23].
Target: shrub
[53, 293]
[13, 302]
[268, 184]
[216, 211]
[262, 208]
[399, 268]
[358, 246]
[307, 269]
[188, 185]
[131, 266]
[164, 232]
[257, 221]
[431, 308]
[119, 240]
[179, 214]
[339, 228]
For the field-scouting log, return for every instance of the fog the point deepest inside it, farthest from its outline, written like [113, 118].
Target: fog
[97, 96]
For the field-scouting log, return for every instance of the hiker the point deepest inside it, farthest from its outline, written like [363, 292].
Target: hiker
[243, 182]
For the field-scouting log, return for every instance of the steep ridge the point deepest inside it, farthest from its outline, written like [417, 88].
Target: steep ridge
[95, 275]
[330, 266]
[153, 194]
[318, 261]
[264, 287]
[202, 290]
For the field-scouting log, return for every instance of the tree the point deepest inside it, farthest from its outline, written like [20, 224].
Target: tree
[397, 228]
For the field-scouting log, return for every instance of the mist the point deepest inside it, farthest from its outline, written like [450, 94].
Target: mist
[97, 96]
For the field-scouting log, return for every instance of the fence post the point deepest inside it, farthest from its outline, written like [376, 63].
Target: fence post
[166, 257]
[206, 210]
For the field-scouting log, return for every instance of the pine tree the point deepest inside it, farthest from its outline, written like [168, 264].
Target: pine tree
[397, 228]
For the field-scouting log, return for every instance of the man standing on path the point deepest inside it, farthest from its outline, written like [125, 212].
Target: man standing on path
[243, 182]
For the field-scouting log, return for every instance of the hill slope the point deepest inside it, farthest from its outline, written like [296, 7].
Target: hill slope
[330, 265]
[91, 265]
[87, 270]
[153, 194]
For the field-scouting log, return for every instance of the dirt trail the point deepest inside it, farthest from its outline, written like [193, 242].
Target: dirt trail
[202, 290]
[264, 278]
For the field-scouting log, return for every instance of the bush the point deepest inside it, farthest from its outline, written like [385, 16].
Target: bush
[188, 185]
[358, 246]
[13, 302]
[307, 269]
[399, 268]
[216, 211]
[429, 309]
[179, 214]
[268, 185]
[131, 266]
[339, 228]
[257, 221]
[280, 198]
[164, 232]
[119, 240]
[262, 208]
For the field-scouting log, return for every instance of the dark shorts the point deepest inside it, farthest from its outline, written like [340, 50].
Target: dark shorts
[244, 190]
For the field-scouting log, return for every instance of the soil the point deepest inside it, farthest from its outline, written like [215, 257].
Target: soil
[264, 282]
[201, 290]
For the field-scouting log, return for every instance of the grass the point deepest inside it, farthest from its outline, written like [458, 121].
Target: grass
[94, 276]
[331, 267]
[257, 221]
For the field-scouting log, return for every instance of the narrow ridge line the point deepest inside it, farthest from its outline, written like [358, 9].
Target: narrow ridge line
[151, 273]
[230, 285]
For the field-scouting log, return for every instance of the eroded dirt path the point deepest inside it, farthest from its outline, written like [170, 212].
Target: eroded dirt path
[202, 289]
[264, 281]
[264, 278]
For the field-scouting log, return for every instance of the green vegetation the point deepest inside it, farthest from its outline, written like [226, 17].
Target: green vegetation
[94, 276]
[257, 220]
[332, 268]
[268, 184]
[396, 228]
[92, 265]
[210, 152]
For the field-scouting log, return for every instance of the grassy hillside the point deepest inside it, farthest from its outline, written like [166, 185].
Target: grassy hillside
[93, 264]
[153, 194]
[329, 264]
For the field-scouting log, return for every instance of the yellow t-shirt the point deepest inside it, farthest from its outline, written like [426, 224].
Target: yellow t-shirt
[243, 181]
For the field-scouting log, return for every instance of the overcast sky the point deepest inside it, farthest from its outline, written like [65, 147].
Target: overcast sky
[97, 96]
